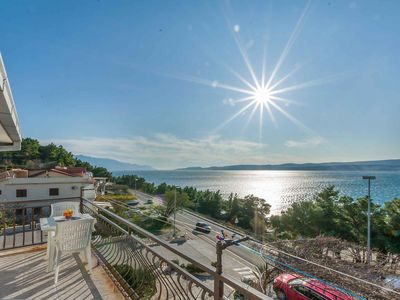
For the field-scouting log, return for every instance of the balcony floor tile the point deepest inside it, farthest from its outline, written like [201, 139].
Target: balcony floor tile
[24, 276]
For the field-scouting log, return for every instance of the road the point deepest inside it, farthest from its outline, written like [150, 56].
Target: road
[237, 261]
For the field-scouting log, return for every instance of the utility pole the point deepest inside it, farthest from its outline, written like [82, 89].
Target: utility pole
[369, 178]
[174, 212]
[218, 283]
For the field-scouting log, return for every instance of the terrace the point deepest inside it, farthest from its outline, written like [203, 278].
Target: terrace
[25, 277]
[128, 263]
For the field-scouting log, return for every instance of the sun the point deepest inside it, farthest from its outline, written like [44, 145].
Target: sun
[262, 96]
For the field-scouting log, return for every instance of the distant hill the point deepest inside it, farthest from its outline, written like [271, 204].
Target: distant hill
[376, 165]
[112, 164]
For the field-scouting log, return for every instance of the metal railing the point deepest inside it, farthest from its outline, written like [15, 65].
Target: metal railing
[142, 265]
[20, 222]
[146, 267]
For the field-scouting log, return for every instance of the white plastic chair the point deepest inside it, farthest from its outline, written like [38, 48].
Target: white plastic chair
[57, 209]
[71, 237]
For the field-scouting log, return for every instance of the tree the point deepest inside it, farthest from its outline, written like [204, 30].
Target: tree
[29, 152]
[234, 207]
[161, 188]
[101, 172]
[209, 203]
[182, 200]
[327, 212]
[30, 148]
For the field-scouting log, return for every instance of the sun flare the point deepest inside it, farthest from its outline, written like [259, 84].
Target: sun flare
[265, 92]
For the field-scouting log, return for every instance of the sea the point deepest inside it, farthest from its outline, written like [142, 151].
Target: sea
[280, 188]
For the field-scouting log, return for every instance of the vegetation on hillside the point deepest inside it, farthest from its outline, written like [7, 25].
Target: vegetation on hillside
[250, 211]
[330, 214]
[34, 155]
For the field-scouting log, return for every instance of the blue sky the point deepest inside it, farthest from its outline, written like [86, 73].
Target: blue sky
[114, 78]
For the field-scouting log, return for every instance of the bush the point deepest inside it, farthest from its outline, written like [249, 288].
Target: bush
[118, 197]
[142, 280]
[192, 269]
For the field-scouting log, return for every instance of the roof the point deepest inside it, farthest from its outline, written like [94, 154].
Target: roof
[67, 171]
[36, 173]
[79, 171]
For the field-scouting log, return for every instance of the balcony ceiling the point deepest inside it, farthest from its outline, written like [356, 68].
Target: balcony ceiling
[10, 135]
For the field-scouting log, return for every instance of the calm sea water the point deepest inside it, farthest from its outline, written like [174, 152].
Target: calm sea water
[280, 188]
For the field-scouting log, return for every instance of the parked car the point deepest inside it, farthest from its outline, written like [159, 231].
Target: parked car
[203, 227]
[296, 287]
[132, 203]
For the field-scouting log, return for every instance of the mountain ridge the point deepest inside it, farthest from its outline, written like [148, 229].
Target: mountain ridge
[113, 164]
[373, 165]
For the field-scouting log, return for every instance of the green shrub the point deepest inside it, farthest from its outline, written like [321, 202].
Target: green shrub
[192, 269]
[142, 280]
[118, 197]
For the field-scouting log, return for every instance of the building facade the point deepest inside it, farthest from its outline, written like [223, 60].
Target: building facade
[53, 184]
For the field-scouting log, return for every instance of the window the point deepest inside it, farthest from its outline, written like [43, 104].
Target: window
[21, 193]
[0, 192]
[306, 292]
[53, 192]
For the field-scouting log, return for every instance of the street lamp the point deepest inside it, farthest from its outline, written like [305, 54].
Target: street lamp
[175, 212]
[369, 178]
[135, 185]
[219, 284]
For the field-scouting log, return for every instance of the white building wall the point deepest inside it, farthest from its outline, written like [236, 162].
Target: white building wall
[38, 188]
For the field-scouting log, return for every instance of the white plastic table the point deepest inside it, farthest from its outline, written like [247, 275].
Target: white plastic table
[50, 223]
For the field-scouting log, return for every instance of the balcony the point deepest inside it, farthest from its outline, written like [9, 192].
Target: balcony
[130, 262]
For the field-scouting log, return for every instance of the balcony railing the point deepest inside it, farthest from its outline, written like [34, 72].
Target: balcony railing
[141, 264]
[20, 222]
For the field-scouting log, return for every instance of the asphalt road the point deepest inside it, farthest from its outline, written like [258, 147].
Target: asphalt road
[237, 261]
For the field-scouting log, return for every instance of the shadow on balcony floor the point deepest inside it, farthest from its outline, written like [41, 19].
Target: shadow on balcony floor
[23, 276]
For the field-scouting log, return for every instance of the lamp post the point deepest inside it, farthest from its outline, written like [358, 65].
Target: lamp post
[218, 283]
[175, 212]
[369, 178]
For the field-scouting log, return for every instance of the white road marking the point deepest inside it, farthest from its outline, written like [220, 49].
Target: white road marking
[240, 269]
[245, 272]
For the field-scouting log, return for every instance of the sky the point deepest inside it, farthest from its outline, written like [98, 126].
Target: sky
[159, 82]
